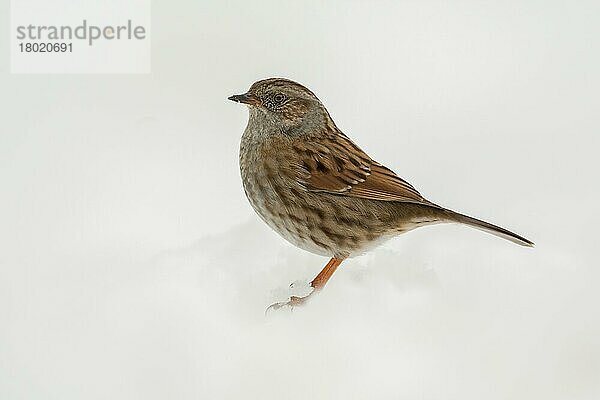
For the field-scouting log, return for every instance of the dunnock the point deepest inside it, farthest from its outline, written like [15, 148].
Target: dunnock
[311, 184]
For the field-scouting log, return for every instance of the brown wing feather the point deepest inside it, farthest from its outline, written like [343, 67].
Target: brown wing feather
[384, 184]
[334, 164]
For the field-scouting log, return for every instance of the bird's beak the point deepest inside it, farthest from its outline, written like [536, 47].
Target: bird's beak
[245, 98]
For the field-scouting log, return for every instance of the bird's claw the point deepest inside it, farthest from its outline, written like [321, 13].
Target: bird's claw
[294, 301]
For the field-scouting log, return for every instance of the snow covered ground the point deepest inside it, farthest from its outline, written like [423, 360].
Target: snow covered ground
[133, 267]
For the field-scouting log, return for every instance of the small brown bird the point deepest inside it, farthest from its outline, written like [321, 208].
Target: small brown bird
[311, 184]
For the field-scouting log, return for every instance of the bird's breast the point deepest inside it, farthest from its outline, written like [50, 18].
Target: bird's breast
[277, 197]
[266, 172]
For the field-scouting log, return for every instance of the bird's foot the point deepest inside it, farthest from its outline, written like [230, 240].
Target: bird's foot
[314, 286]
[294, 301]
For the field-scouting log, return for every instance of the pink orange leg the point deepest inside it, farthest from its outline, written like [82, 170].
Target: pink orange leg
[320, 280]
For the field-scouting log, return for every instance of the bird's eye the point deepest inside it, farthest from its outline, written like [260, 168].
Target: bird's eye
[279, 98]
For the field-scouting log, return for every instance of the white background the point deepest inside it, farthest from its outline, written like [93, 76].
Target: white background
[132, 267]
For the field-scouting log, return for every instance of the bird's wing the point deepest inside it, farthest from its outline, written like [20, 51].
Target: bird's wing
[332, 163]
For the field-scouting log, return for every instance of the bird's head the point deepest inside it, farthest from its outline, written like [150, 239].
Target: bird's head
[285, 104]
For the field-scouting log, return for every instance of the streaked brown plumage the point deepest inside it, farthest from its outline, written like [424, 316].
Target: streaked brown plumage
[311, 184]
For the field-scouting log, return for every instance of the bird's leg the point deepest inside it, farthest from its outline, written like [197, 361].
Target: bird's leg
[320, 280]
[317, 284]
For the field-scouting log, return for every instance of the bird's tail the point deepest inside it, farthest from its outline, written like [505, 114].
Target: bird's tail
[489, 228]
